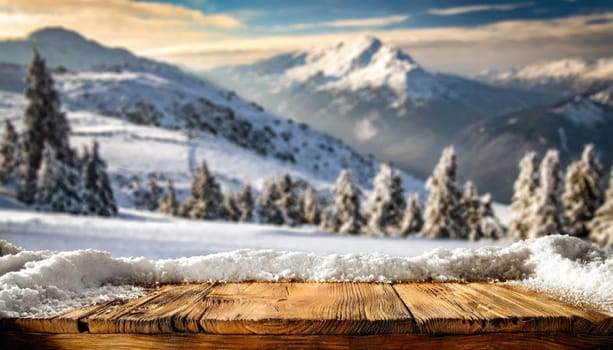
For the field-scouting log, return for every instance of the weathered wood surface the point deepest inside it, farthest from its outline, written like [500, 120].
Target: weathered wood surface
[548, 341]
[332, 315]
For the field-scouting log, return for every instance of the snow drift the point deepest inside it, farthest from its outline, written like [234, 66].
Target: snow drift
[40, 283]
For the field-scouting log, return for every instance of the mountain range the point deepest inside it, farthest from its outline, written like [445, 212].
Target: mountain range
[375, 97]
[380, 100]
[141, 103]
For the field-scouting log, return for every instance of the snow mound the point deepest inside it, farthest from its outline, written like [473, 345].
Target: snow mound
[39, 283]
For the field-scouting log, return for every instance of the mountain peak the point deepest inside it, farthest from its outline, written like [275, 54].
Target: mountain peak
[63, 47]
[55, 34]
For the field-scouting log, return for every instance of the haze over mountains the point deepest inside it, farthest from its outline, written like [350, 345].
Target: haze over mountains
[380, 100]
[152, 119]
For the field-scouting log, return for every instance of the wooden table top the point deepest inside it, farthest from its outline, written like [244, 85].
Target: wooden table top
[331, 311]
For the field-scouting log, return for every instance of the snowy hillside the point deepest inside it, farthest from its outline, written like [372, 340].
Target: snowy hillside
[373, 96]
[153, 120]
[558, 78]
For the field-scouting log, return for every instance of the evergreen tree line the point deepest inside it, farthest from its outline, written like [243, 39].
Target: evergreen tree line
[288, 201]
[40, 164]
[543, 204]
[539, 206]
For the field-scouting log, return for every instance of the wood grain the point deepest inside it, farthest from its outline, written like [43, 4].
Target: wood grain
[73, 321]
[455, 308]
[356, 309]
[549, 341]
[304, 308]
[167, 310]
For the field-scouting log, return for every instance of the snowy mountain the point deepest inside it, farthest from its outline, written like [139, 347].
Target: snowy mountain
[490, 150]
[153, 120]
[373, 96]
[64, 48]
[557, 78]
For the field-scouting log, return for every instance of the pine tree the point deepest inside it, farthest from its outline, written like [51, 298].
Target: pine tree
[206, 199]
[231, 210]
[444, 215]
[44, 123]
[524, 191]
[98, 194]
[582, 193]
[268, 211]
[386, 204]
[346, 216]
[412, 221]
[288, 202]
[9, 153]
[472, 210]
[490, 226]
[59, 187]
[310, 205]
[601, 227]
[546, 217]
[168, 203]
[245, 202]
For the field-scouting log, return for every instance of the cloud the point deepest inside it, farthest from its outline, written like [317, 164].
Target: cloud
[120, 22]
[373, 22]
[452, 11]
[457, 49]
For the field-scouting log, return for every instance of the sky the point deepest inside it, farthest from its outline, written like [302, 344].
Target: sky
[462, 37]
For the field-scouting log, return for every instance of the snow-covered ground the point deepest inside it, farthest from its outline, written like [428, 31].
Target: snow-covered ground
[137, 233]
[35, 281]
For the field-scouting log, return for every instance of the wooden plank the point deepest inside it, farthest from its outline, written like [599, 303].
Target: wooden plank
[33, 341]
[158, 312]
[454, 308]
[73, 321]
[304, 308]
[584, 320]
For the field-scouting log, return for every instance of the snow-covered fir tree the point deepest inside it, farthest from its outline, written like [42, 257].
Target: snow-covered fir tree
[206, 199]
[9, 153]
[168, 202]
[471, 204]
[44, 123]
[444, 216]
[288, 201]
[386, 203]
[582, 194]
[345, 215]
[268, 210]
[546, 218]
[310, 206]
[490, 226]
[524, 190]
[244, 199]
[230, 210]
[412, 220]
[601, 226]
[59, 187]
[97, 191]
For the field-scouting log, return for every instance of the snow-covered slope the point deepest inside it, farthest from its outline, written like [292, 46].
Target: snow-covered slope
[559, 78]
[374, 96]
[154, 120]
